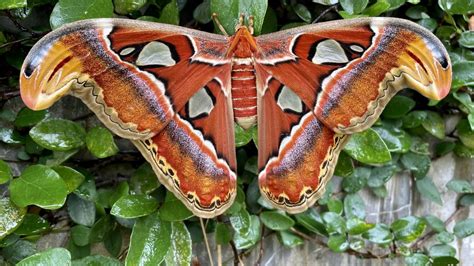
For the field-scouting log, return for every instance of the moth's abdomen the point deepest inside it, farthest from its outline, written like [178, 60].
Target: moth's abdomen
[244, 91]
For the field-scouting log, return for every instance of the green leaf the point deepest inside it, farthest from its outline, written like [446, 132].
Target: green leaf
[408, 229]
[149, 242]
[354, 6]
[228, 12]
[357, 180]
[335, 205]
[5, 172]
[466, 134]
[27, 117]
[367, 147]
[354, 206]
[223, 234]
[180, 251]
[270, 24]
[459, 186]
[10, 136]
[356, 226]
[414, 119]
[80, 234]
[442, 250]
[466, 200]
[289, 240]
[302, 12]
[38, 185]
[312, 221]
[32, 224]
[71, 177]
[241, 221]
[10, 218]
[125, 7]
[345, 166]
[18, 251]
[173, 209]
[435, 223]
[202, 13]
[251, 237]
[377, 8]
[429, 190]
[144, 180]
[434, 124]
[12, 4]
[58, 134]
[100, 229]
[276, 220]
[463, 151]
[464, 228]
[397, 140]
[445, 237]
[443, 261]
[417, 259]
[66, 11]
[121, 190]
[380, 234]
[380, 175]
[100, 142]
[242, 136]
[113, 241]
[356, 244]
[418, 164]
[338, 243]
[133, 206]
[444, 148]
[326, 2]
[170, 13]
[80, 210]
[467, 39]
[96, 260]
[54, 256]
[456, 6]
[334, 223]
[463, 74]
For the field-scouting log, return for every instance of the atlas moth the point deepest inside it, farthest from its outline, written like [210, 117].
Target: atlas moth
[176, 92]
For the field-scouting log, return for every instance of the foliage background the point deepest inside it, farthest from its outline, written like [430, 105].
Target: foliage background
[60, 170]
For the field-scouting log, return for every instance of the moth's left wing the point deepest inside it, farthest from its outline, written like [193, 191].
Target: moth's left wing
[319, 82]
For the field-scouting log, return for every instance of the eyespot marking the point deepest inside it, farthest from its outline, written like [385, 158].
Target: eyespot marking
[329, 51]
[155, 53]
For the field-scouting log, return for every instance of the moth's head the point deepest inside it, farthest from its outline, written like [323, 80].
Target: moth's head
[47, 74]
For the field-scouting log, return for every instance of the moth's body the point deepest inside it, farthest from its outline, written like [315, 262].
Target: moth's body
[175, 93]
[244, 86]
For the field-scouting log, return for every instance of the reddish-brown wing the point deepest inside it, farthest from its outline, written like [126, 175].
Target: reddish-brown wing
[165, 87]
[336, 78]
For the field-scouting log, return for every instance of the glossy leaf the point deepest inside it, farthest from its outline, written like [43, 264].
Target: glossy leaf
[223, 234]
[10, 218]
[417, 259]
[408, 229]
[289, 240]
[96, 260]
[462, 74]
[367, 147]
[173, 209]
[71, 177]
[5, 172]
[180, 251]
[80, 210]
[58, 134]
[144, 180]
[334, 223]
[434, 124]
[276, 220]
[338, 243]
[429, 190]
[32, 224]
[345, 166]
[230, 10]
[54, 256]
[128, 6]
[435, 223]
[418, 164]
[356, 226]
[38, 185]
[11, 4]
[466, 134]
[66, 11]
[80, 234]
[251, 237]
[464, 228]
[459, 186]
[27, 117]
[354, 206]
[170, 13]
[397, 140]
[442, 250]
[380, 234]
[354, 7]
[100, 142]
[133, 206]
[149, 242]
[357, 180]
[312, 221]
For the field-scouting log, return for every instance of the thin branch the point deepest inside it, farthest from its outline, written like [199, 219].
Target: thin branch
[206, 242]
[236, 253]
[260, 253]
[329, 9]
[5, 95]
